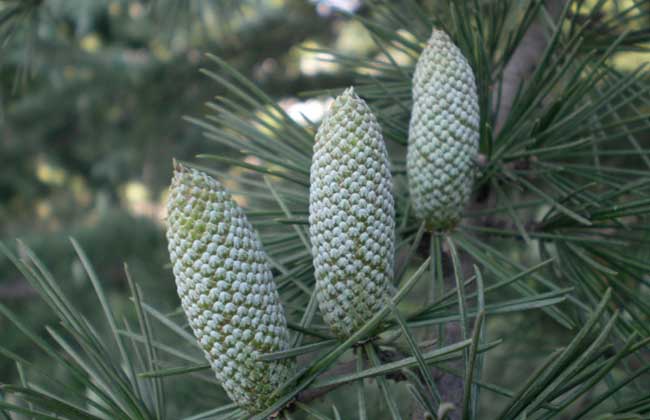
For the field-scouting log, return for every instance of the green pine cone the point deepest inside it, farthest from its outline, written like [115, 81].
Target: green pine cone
[351, 215]
[226, 288]
[443, 134]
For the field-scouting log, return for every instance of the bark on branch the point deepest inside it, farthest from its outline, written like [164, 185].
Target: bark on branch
[525, 59]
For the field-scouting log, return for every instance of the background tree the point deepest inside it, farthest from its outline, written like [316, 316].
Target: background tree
[102, 80]
[547, 272]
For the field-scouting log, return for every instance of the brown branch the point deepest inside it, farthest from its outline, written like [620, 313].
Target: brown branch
[350, 367]
[525, 59]
[451, 385]
[315, 393]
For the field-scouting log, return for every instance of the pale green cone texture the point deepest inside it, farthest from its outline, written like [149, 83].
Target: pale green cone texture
[443, 133]
[226, 288]
[351, 215]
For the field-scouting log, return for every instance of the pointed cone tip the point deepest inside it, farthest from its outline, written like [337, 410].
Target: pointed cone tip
[439, 33]
[345, 96]
[178, 167]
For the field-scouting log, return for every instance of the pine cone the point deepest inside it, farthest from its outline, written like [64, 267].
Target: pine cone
[351, 215]
[226, 288]
[443, 134]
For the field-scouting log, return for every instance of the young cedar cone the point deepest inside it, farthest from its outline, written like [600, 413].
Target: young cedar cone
[226, 288]
[351, 215]
[443, 134]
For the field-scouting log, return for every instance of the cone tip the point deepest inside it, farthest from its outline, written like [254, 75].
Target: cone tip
[178, 167]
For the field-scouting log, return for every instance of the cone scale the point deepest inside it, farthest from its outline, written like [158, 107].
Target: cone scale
[226, 288]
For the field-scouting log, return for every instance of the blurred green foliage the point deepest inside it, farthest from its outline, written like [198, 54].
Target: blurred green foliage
[92, 95]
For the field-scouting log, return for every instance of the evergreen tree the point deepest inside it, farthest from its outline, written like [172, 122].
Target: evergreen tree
[548, 254]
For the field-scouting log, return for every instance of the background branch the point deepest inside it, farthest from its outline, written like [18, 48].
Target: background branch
[525, 59]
